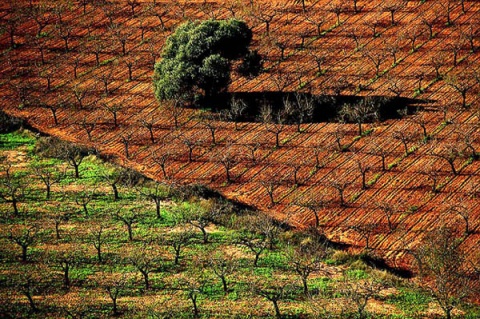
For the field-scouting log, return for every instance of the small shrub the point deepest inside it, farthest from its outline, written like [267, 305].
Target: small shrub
[341, 257]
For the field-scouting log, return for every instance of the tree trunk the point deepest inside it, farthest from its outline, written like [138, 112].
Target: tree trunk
[75, 167]
[31, 302]
[305, 286]
[227, 172]
[190, 159]
[177, 256]
[129, 229]
[406, 148]
[115, 310]
[452, 165]
[464, 99]
[115, 192]
[212, 132]
[157, 208]
[66, 278]
[57, 230]
[224, 283]
[145, 279]
[342, 200]
[54, 113]
[195, 308]
[99, 254]
[24, 253]
[317, 219]
[278, 315]
[205, 235]
[448, 313]
[152, 138]
[162, 166]
[255, 262]
[130, 68]
[15, 206]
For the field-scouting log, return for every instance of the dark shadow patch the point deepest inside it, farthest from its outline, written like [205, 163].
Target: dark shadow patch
[326, 107]
[9, 123]
[379, 263]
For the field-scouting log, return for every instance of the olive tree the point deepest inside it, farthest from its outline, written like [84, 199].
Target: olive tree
[197, 58]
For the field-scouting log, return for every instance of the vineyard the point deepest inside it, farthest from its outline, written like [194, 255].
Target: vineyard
[82, 71]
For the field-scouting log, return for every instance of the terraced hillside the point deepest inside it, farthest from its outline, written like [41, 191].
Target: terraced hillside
[82, 71]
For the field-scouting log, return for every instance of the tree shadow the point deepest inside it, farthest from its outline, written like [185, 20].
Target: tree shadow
[326, 108]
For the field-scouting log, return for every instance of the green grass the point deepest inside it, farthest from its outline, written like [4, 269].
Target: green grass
[410, 301]
[10, 141]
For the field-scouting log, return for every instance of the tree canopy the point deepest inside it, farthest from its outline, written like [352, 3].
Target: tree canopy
[197, 58]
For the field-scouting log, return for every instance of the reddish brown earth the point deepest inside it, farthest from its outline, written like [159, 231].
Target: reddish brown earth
[405, 184]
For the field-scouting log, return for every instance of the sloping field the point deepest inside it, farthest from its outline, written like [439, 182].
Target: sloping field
[83, 73]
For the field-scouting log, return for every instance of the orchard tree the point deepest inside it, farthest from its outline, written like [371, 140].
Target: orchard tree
[448, 152]
[365, 231]
[30, 282]
[364, 166]
[192, 284]
[12, 187]
[273, 289]
[256, 244]
[98, 239]
[49, 175]
[305, 106]
[128, 217]
[306, 258]
[64, 261]
[275, 122]
[155, 192]
[145, 260]
[24, 237]
[340, 184]
[74, 155]
[315, 204]
[390, 209]
[197, 58]
[198, 216]
[365, 110]
[115, 285]
[223, 265]
[114, 109]
[235, 113]
[406, 137]
[462, 85]
[392, 7]
[358, 293]
[83, 197]
[441, 264]
[228, 159]
[178, 241]
[161, 158]
[120, 176]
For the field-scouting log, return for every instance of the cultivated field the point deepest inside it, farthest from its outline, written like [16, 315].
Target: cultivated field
[84, 73]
